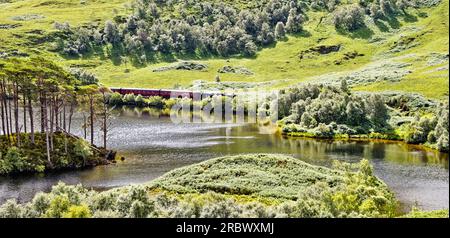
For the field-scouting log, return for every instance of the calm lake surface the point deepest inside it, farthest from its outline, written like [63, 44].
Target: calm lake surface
[153, 145]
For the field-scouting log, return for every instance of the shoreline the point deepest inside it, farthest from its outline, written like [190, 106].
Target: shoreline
[359, 138]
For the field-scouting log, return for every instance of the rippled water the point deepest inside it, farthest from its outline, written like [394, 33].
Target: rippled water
[153, 146]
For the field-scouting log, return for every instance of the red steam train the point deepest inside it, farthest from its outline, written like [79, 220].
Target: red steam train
[164, 93]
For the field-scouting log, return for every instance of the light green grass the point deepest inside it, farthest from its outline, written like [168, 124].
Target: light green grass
[424, 214]
[72, 11]
[279, 64]
[432, 38]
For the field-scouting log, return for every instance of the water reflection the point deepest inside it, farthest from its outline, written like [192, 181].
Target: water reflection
[153, 146]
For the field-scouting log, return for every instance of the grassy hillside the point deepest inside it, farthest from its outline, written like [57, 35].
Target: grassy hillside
[408, 53]
[25, 24]
[262, 175]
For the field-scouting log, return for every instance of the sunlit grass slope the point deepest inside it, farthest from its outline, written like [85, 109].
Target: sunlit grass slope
[34, 18]
[415, 39]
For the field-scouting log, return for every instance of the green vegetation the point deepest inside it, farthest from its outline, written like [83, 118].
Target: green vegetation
[319, 111]
[416, 213]
[405, 34]
[27, 84]
[69, 153]
[345, 69]
[117, 100]
[227, 187]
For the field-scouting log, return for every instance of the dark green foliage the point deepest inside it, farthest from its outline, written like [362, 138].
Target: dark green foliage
[156, 102]
[442, 128]
[349, 17]
[117, 99]
[14, 162]
[419, 130]
[323, 111]
[328, 5]
[85, 77]
[430, 129]
[69, 153]
[203, 27]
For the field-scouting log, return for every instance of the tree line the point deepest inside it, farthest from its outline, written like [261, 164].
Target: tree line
[199, 27]
[193, 27]
[36, 86]
[327, 111]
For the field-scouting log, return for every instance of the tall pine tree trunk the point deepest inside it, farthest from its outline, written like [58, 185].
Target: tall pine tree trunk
[52, 112]
[30, 111]
[43, 111]
[16, 113]
[47, 137]
[24, 114]
[70, 116]
[2, 110]
[91, 102]
[64, 118]
[5, 106]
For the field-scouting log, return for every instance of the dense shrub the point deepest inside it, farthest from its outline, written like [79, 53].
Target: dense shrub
[10, 209]
[280, 31]
[431, 129]
[68, 152]
[345, 191]
[80, 211]
[14, 162]
[129, 99]
[140, 101]
[204, 27]
[115, 99]
[85, 77]
[324, 111]
[349, 17]
[156, 102]
[82, 149]
[442, 128]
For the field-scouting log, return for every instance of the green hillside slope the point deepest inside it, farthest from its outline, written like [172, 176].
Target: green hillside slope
[406, 53]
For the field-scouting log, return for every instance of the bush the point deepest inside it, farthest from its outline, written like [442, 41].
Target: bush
[82, 149]
[11, 209]
[349, 17]
[129, 99]
[14, 162]
[81, 211]
[323, 131]
[115, 99]
[140, 101]
[85, 77]
[156, 102]
[59, 205]
[442, 128]
[325, 111]
[40, 203]
[280, 31]
[443, 142]
[69, 153]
